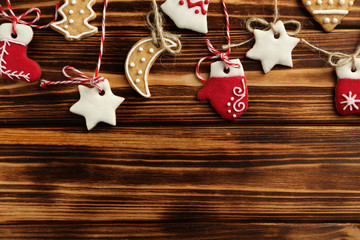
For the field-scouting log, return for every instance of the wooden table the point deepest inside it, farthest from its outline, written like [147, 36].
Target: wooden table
[172, 168]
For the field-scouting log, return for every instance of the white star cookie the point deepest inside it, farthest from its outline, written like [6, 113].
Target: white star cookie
[270, 50]
[95, 107]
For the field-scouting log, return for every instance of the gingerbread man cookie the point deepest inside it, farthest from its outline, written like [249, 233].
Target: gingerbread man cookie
[76, 16]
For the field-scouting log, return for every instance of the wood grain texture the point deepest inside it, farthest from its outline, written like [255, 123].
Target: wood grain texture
[289, 168]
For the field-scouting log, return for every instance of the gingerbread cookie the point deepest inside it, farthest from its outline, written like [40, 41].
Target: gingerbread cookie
[328, 13]
[139, 62]
[76, 16]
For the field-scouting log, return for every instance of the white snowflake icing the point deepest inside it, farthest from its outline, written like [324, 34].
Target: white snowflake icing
[3, 69]
[350, 101]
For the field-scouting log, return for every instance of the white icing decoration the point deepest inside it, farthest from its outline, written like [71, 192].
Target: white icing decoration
[96, 108]
[239, 106]
[143, 59]
[132, 64]
[228, 104]
[73, 2]
[331, 2]
[229, 111]
[137, 80]
[184, 17]
[148, 65]
[232, 99]
[308, 3]
[57, 24]
[71, 21]
[350, 101]
[326, 20]
[331, 11]
[71, 11]
[335, 20]
[151, 50]
[342, 2]
[271, 51]
[351, 3]
[319, 2]
[141, 49]
[217, 69]
[234, 115]
[82, 11]
[66, 26]
[345, 70]
[140, 72]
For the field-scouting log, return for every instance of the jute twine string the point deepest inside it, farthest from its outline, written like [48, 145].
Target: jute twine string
[268, 25]
[337, 59]
[154, 21]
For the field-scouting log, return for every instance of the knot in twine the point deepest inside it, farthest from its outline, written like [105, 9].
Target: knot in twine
[337, 59]
[154, 21]
[15, 20]
[80, 79]
[267, 25]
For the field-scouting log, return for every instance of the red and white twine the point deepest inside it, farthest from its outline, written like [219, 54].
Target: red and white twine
[224, 56]
[15, 20]
[81, 78]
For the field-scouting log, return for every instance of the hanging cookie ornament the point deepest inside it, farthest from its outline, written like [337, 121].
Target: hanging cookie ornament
[226, 88]
[273, 44]
[347, 67]
[145, 52]
[188, 14]
[98, 103]
[14, 39]
[76, 15]
[328, 13]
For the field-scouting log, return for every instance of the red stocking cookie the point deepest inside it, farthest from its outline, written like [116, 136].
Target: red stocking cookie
[227, 92]
[348, 89]
[14, 63]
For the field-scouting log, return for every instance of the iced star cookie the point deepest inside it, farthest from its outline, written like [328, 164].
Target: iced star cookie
[328, 13]
[76, 16]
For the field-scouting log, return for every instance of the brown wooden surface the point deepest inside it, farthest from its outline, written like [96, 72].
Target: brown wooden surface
[172, 168]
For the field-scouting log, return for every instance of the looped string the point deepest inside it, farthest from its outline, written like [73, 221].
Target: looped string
[267, 25]
[82, 78]
[157, 32]
[15, 20]
[224, 56]
[337, 59]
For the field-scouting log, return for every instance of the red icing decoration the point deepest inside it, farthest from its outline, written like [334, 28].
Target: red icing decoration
[227, 95]
[181, 2]
[197, 11]
[15, 63]
[206, 1]
[348, 96]
[197, 4]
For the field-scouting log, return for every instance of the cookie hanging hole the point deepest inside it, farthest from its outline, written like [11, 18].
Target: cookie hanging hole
[226, 70]
[13, 35]
[353, 69]
[276, 35]
[102, 93]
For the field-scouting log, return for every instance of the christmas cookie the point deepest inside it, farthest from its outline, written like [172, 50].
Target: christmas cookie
[271, 49]
[76, 16]
[139, 62]
[188, 14]
[347, 93]
[328, 13]
[14, 63]
[226, 91]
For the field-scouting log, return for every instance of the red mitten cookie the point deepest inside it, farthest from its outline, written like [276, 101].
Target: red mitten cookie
[227, 92]
[14, 63]
[348, 89]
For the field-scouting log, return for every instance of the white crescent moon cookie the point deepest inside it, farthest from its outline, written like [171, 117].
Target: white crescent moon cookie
[76, 16]
[139, 62]
[328, 13]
